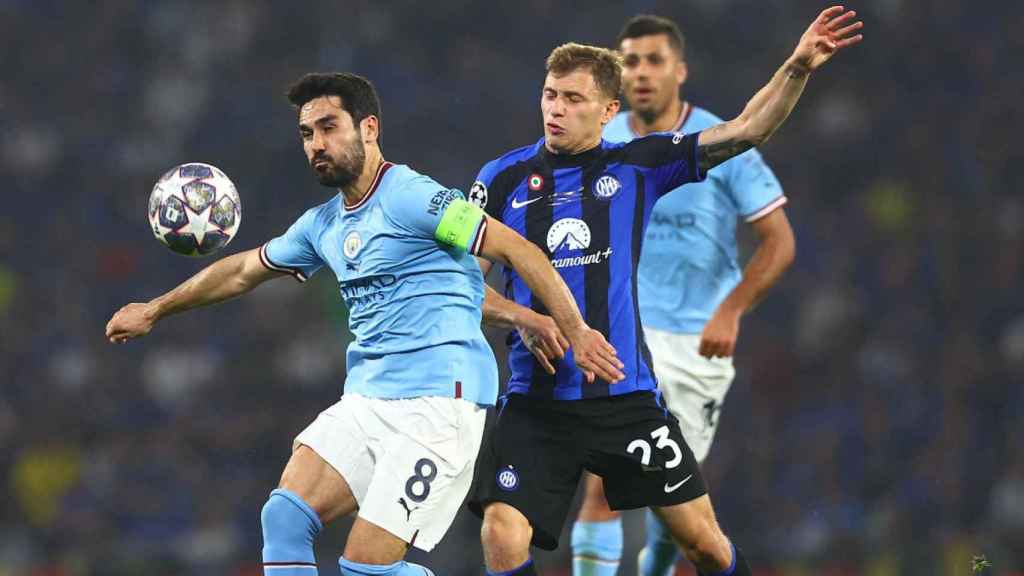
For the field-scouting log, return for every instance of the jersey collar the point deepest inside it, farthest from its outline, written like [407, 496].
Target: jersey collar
[565, 160]
[384, 166]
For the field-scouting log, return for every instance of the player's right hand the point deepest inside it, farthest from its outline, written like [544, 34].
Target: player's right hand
[543, 339]
[595, 357]
[131, 321]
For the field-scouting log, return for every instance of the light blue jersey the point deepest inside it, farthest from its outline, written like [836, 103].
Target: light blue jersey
[414, 302]
[688, 262]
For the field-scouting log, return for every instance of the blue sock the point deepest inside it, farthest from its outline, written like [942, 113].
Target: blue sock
[289, 527]
[596, 548]
[732, 566]
[524, 569]
[400, 568]
[660, 553]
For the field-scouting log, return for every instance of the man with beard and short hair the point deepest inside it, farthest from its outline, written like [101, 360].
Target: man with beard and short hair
[692, 291]
[401, 246]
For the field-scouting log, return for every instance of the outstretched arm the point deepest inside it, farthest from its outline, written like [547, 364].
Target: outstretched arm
[224, 279]
[830, 32]
[538, 332]
[592, 353]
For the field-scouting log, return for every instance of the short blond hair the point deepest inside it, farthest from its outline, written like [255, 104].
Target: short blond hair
[603, 64]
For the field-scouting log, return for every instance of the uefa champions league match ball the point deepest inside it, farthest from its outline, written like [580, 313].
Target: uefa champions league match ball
[194, 209]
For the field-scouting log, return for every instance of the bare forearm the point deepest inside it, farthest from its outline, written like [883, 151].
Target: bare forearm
[771, 259]
[545, 283]
[762, 115]
[499, 311]
[770, 107]
[224, 279]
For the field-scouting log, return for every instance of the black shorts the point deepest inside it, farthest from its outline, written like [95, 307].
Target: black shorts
[538, 449]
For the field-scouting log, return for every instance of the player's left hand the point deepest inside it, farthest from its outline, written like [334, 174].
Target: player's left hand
[719, 337]
[595, 357]
[830, 32]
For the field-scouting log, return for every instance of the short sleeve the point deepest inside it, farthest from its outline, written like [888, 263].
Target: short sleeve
[293, 252]
[429, 210]
[753, 186]
[480, 192]
[672, 156]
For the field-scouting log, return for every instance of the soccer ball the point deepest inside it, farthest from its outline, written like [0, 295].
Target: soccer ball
[194, 209]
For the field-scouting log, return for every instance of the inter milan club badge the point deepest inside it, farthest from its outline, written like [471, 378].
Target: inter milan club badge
[507, 479]
[536, 182]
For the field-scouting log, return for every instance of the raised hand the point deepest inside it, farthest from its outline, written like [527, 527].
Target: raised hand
[830, 32]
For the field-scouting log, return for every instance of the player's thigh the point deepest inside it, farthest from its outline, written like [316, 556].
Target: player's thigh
[595, 504]
[532, 462]
[424, 466]
[642, 456]
[331, 464]
[318, 484]
[694, 387]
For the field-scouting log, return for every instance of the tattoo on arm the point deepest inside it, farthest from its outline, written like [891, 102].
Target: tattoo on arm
[711, 155]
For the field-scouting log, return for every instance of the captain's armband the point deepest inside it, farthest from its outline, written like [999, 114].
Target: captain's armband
[463, 226]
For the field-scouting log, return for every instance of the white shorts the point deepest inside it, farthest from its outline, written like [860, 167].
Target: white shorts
[409, 462]
[693, 386]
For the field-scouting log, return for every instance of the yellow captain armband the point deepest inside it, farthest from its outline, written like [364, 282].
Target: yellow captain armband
[463, 226]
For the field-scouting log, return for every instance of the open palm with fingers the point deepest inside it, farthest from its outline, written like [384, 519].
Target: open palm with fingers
[833, 30]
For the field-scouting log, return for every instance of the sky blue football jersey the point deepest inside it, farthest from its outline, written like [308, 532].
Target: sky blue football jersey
[688, 263]
[414, 302]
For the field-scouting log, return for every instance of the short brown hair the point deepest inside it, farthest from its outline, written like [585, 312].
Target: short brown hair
[605, 65]
[651, 25]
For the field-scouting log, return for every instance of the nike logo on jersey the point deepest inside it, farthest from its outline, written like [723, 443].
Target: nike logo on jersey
[672, 488]
[516, 204]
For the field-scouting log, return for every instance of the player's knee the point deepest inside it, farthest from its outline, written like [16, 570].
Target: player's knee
[288, 522]
[505, 527]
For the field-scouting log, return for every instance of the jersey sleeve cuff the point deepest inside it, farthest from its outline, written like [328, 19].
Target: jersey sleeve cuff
[699, 175]
[478, 239]
[766, 209]
[270, 265]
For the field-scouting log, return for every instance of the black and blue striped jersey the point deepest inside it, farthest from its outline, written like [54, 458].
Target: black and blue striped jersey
[588, 213]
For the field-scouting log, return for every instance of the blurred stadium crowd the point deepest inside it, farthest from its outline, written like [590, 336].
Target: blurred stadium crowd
[875, 426]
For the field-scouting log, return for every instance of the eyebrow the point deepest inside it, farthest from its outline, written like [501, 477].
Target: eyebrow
[567, 93]
[321, 120]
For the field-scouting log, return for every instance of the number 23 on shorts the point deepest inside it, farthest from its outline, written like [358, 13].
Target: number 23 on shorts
[662, 442]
